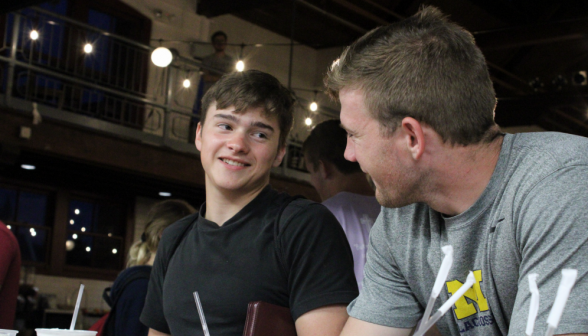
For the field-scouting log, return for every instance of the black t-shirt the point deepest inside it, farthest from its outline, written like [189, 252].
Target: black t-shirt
[309, 265]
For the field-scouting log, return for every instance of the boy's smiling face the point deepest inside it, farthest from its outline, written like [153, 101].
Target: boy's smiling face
[238, 150]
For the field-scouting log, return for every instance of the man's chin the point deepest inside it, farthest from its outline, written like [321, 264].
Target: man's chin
[389, 201]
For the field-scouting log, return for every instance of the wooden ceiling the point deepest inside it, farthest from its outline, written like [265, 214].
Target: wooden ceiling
[535, 49]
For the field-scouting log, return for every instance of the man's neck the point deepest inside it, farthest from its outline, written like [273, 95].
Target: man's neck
[222, 205]
[462, 176]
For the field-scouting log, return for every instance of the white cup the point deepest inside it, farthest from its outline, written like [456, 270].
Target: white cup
[64, 332]
[8, 332]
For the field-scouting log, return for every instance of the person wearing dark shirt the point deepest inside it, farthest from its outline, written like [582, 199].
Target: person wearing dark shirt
[248, 242]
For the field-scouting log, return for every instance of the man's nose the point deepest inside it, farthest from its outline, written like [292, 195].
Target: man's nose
[349, 151]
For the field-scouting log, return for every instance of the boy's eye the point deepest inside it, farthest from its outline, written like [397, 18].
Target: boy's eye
[260, 135]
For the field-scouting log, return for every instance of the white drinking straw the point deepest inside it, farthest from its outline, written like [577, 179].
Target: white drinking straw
[77, 309]
[201, 313]
[439, 282]
[448, 304]
[534, 305]
[568, 278]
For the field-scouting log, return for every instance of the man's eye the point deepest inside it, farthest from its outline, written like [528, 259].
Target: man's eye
[224, 127]
[260, 135]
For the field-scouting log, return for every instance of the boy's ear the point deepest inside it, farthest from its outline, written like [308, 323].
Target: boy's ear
[198, 139]
[279, 156]
[325, 169]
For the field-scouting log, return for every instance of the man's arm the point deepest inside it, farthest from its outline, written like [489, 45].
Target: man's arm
[153, 332]
[323, 321]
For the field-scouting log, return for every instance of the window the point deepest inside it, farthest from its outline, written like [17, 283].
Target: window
[95, 234]
[25, 212]
[67, 233]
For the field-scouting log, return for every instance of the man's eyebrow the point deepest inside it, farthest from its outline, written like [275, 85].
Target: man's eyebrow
[262, 125]
[343, 127]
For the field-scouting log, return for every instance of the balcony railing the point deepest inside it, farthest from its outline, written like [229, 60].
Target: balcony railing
[115, 88]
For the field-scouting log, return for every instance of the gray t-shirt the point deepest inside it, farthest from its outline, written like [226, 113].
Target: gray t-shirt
[532, 218]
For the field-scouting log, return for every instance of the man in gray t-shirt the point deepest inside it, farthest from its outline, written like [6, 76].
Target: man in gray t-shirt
[417, 103]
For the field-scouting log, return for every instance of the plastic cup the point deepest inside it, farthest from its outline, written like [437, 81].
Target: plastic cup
[64, 332]
[7, 332]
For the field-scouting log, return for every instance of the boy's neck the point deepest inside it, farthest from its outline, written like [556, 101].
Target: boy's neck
[222, 205]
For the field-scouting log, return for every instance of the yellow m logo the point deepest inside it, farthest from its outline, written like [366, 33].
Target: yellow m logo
[462, 307]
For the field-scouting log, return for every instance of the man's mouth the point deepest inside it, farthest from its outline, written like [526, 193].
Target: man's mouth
[234, 163]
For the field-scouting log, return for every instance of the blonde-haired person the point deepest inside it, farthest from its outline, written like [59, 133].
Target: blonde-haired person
[130, 287]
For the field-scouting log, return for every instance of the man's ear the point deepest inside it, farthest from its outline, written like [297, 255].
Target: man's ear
[198, 139]
[414, 137]
[279, 156]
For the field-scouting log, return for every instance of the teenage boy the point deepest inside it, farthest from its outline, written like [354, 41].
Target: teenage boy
[249, 242]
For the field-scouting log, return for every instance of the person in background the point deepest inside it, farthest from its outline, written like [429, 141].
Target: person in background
[342, 186]
[9, 276]
[215, 65]
[130, 287]
[418, 103]
[249, 242]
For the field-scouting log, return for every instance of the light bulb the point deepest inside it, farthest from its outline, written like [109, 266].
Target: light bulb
[187, 83]
[70, 245]
[313, 106]
[88, 249]
[114, 251]
[240, 66]
[34, 35]
[161, 57]
[308, 121]
[88, 48]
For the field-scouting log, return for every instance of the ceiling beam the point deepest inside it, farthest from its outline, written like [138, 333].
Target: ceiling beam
[514, 37]
[333, 17]
[12, 5]
[361, 11]
[212, 8]
[384, 9]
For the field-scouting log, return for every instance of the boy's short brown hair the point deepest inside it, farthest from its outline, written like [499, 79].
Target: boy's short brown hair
[252, 89]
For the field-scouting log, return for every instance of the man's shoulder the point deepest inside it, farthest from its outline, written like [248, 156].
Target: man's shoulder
[552, 149]
[531, 159]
